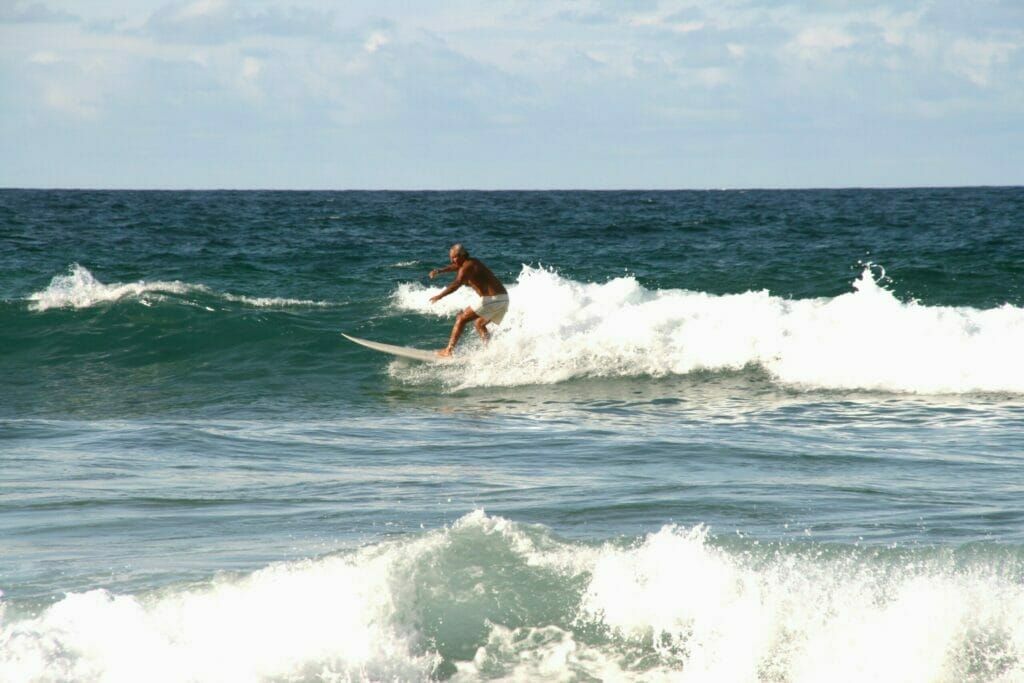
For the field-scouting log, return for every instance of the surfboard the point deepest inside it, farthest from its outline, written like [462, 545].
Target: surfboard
[400, 351]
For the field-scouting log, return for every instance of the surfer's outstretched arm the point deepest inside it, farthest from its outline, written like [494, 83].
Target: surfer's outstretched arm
[450, 268]
[459, 280]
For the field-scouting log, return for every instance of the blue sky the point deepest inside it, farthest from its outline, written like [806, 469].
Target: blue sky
[297, 94]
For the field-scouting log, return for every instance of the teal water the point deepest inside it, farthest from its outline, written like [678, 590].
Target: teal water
[764, 435]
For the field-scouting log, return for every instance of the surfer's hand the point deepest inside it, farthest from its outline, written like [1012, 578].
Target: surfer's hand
[433, 273]
[434, 299]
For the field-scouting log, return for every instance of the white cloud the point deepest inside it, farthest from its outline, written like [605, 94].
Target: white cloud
[225, 21]
[563, 75]
[686, 26]
[44, 57]
[815, 43]
[32, 12]
[201, 59]
[714, 76]
[375, 41]
[671, 21]
[69, 100]
[898, 29]
[975, 59]
[248, 78]
[202, 8]
[250, 69]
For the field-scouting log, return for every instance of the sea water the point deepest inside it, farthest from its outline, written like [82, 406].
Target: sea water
[726, 436]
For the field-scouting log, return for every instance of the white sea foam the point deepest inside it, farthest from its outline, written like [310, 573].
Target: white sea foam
[320, 620]
[274, 302]
[673, 606]
[719, 616]
[79, 288]
[558, 329]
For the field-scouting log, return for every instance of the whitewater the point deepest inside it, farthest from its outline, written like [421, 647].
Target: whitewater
[675, 603]
[79, 288]
[559, 329]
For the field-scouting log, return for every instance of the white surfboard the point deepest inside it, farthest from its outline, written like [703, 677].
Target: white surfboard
[400, 351]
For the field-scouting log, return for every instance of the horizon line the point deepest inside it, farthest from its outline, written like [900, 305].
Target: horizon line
[512, 189]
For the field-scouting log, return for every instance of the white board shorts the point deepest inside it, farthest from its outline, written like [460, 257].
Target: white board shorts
[492, 308]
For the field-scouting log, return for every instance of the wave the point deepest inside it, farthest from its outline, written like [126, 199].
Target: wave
[79, 288]
[488, 598]
[558, 329]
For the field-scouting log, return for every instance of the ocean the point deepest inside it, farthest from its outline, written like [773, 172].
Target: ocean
[719, 436]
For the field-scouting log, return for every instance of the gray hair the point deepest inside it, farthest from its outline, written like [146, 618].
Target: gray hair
[459, 250]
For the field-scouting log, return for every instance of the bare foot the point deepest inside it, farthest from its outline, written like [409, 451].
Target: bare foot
[444, 353]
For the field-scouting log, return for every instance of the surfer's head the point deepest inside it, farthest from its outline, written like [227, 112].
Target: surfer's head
[457, 254]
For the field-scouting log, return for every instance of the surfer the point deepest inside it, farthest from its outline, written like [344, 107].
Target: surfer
[493, 297]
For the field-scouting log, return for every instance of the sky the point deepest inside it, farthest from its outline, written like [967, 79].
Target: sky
[553, 94]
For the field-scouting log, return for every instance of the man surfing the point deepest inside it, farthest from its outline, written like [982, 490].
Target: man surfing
[493, 297]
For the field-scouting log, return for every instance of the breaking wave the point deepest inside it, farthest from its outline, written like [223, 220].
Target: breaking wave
[559, 329]
[488, 598]
[79, 288]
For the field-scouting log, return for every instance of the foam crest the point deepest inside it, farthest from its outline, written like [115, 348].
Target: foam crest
[547, 653]
[331, 619]
[79, 288]
[274, 302]
[558, 329]
[723, 616]
[416, 298]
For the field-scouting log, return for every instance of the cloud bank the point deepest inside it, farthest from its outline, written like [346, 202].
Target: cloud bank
[224, 93]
